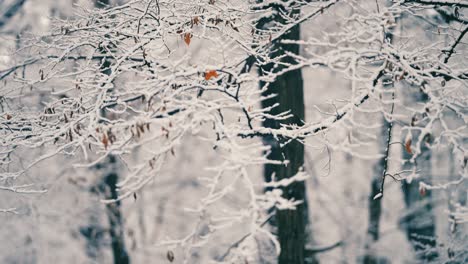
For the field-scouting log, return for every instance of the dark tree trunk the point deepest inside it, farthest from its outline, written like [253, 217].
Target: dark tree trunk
[116, 227]
[380, 169]
[290, 224]
[375, 205]
[375, 208]
[108, 183]
[419, 222]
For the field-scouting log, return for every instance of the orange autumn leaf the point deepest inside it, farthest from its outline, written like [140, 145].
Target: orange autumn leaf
[210, 74]
[408, 146]
[187, 38]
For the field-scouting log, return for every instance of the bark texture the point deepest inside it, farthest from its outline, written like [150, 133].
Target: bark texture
[289, 88]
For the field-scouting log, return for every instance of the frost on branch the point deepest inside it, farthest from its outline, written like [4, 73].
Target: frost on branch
[135, 81]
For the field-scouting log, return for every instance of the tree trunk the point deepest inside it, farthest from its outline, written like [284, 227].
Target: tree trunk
[419, 223]
[116, 227]
[380, 169]
[291, 224]
[108, 186]
[375, 205]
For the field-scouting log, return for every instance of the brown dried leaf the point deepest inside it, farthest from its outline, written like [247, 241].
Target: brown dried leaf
[105, 141]
[170, 256]
[187, 38]
[408, 146]
[422, 191]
